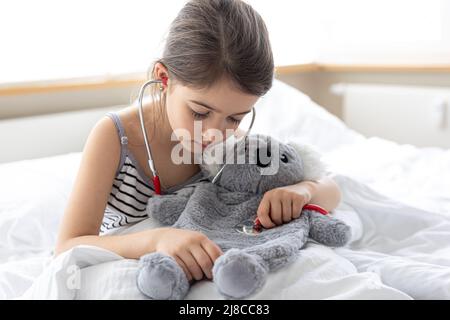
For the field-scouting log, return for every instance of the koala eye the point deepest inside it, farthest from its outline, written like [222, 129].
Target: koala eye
[284, 158]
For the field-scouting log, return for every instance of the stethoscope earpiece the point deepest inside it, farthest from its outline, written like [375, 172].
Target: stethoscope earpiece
[164, 81]
[163, 84]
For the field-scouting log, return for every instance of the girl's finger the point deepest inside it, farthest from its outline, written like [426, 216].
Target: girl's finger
[263, 214]
[276, 211]
[191, 264]
[297, 206]
[212, 249]
[287, 209]
[185, 269]
[203, 260]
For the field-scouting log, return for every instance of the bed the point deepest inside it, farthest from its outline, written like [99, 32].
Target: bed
[396, 198]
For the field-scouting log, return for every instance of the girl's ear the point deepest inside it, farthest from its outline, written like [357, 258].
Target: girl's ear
[314, 169]
[160, 71]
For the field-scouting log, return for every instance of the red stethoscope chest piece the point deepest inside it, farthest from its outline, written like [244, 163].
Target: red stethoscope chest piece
[255, 227]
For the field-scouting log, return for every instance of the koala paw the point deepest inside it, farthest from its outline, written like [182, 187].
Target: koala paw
[161, 278]
[238, 274]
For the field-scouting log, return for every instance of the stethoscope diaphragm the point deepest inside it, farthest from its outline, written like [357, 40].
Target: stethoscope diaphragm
[248, 227]
[253, 227]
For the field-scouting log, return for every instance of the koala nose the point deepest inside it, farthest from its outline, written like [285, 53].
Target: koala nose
[262, 160]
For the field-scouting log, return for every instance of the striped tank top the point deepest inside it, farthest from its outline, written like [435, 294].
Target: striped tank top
[131, 187]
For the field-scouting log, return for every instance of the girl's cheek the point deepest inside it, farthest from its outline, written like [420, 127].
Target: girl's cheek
[180, 118]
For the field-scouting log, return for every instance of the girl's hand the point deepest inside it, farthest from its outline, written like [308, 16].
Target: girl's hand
[192, 250]
[281, 205]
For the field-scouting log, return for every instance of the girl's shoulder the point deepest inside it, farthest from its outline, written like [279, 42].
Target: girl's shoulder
[129, 119]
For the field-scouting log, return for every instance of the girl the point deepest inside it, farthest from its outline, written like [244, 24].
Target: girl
[218, 62]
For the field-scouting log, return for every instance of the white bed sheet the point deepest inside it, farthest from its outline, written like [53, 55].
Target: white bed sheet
[34, 193]
[419, 177]
[396, 252]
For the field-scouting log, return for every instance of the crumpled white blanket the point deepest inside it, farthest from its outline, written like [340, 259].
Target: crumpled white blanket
[396, 252]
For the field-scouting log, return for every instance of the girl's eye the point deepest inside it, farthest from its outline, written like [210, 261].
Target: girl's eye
[199, 116]
[234, 121]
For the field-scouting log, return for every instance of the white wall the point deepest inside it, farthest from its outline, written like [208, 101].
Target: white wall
[47, 135]
[406, 114]
[369, 114]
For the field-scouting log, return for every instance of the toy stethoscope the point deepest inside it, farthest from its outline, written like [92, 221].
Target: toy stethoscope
[252, 227]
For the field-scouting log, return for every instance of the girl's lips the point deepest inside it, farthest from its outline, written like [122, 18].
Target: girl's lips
[204, 145]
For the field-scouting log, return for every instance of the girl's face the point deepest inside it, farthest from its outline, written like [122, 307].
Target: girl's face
[199, 117]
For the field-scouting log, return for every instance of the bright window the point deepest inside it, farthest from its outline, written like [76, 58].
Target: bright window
[51, 39]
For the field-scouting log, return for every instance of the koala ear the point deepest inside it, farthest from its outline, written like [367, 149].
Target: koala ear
[314, 169]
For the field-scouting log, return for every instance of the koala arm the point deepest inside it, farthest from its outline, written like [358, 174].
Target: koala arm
[328, 230]
[168, 208]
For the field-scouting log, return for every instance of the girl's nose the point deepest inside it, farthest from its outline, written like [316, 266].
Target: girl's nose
[214, 131]
[211, 135]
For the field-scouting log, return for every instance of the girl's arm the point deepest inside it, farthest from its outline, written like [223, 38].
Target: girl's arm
[193, 251]
[324, 192]
[130, 246]
[86, 205]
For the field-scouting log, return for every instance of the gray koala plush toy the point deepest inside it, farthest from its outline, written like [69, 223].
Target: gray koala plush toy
[216, 209]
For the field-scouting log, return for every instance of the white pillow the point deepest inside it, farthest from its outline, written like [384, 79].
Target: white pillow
[33, 197]
[289, 115]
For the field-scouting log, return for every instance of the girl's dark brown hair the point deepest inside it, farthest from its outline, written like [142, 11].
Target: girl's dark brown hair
[212, 39]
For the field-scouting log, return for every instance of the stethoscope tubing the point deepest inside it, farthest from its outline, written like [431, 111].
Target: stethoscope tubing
[156, 181]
